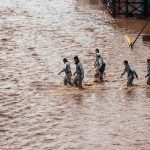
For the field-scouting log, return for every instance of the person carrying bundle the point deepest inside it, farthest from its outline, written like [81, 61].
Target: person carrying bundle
[100, 66]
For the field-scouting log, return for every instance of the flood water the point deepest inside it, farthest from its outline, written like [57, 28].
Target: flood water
[36, 111]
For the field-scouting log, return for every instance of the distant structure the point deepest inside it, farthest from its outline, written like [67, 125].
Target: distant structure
[128, 8]
[148, 7]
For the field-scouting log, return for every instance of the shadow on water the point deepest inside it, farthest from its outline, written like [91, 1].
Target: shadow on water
[130, 93]
[147, 91]
[78, 98]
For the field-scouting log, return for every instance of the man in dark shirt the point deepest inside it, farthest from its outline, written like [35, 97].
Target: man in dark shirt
[79, 73]
[96, 52]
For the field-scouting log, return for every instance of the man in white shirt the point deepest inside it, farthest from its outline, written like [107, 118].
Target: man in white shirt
[68, 74]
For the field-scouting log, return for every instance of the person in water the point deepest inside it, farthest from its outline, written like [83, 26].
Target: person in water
[67, 70]
[79, 73]
[96, 72]
[130, 73]
[96, 52]
[100, 66]
[148, 72]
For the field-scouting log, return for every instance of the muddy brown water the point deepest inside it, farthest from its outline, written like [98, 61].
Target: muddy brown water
[36, 111]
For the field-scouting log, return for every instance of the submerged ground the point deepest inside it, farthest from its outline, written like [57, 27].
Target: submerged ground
[36, 111]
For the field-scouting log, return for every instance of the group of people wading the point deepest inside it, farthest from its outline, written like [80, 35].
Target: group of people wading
[100, 71]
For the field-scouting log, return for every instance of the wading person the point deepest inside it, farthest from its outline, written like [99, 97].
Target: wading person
[79, 73]
[96, 52]
[148, 72]
[68, 74]
[100, 67]
[130, 73]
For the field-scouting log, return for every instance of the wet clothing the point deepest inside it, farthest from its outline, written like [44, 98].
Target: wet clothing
[67, 79]
[98, 55]
[148, 81]
[130, 79]
[68, 74]
[78, 80]
[148, 74]
[130, 74]
[100, 67]
[67, 68]
[96, 60]
[79, 75]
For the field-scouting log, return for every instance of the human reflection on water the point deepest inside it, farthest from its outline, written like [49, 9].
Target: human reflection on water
[129, 94]
[93, 2]
[78, 98]
[147, 91]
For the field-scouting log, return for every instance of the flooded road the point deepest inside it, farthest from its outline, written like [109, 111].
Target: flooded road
[36, 111]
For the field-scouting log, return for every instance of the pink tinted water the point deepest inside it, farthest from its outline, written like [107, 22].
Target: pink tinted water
[37, 111]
